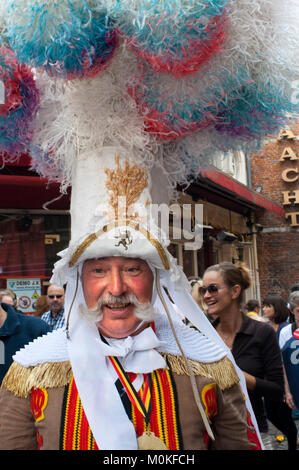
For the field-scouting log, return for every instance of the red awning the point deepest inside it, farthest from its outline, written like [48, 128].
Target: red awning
[31, 192]
[241, 191]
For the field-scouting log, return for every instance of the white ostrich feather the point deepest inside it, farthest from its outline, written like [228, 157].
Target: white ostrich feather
[82, 115]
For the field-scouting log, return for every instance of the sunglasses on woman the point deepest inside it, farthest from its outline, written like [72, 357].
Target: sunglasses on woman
[211, 288]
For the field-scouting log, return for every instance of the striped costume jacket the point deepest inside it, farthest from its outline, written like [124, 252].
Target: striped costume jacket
[40, 408]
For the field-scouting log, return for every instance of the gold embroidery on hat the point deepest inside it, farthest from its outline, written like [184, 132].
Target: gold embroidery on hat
[82, 247]
[119, 223]
[127, 182]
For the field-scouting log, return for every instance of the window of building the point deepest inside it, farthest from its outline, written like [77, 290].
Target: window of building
[29, 244]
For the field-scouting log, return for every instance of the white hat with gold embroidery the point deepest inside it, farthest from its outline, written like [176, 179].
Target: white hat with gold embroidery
[114, 209]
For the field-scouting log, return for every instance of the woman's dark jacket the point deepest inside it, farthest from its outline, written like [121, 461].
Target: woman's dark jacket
[256, 351]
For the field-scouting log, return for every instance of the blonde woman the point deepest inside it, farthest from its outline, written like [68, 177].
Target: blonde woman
[196, 284]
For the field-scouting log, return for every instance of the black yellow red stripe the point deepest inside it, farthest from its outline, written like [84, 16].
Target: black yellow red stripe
[76, 433]
[126, 383]
[164, 421]
[146, 392]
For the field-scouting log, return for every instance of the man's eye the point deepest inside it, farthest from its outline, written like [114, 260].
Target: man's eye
[98, 270]
[133, 270]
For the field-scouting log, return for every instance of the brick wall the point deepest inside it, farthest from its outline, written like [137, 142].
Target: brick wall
[278, 250]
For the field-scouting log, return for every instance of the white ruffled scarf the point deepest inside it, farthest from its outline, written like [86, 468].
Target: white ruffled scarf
[139, 353]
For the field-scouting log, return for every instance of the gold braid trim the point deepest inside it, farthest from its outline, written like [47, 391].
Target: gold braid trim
[223, 371]
[20, 380]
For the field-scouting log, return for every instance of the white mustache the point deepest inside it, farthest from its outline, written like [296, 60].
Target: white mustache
[143, 311]
[109, 299]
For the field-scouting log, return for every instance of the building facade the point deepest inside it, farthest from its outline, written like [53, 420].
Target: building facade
[34, 227]
[230, 217]
[275, 173]
[35, 224]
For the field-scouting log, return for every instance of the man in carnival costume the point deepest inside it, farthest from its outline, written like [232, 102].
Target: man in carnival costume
[126, 101]
[142, 379]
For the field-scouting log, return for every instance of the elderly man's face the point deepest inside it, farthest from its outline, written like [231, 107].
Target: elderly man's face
[117, 276]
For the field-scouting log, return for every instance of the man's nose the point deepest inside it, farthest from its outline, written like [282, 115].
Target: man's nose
[117, 285]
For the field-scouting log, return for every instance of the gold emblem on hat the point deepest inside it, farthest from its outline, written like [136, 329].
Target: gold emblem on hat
[125, 239]
[125, 183]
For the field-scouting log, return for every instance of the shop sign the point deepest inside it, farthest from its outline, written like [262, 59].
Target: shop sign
[290, 175]
[27, 290]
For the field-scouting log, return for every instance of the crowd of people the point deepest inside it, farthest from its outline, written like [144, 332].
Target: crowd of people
[260, 338]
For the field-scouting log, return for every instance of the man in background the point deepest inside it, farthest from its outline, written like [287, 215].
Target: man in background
[55, 316]
[16, 330]
[289, 345]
